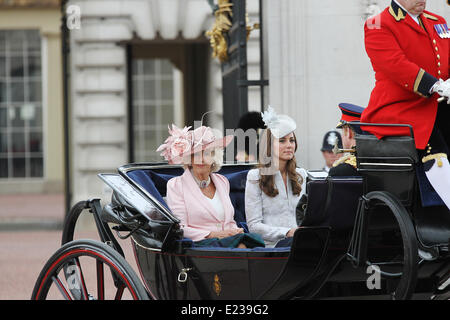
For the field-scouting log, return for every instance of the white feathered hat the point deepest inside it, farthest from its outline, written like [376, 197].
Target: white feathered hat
[279, 124]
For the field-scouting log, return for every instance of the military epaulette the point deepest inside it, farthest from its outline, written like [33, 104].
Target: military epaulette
[349, 159]
[429, 16]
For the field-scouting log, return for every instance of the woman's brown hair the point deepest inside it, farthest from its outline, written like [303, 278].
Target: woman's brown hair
[267, 181]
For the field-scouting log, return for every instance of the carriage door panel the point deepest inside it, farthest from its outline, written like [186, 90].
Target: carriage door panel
[219, 276]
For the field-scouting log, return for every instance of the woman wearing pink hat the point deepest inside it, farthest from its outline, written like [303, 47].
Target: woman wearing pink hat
[200, 197]
[274, 189]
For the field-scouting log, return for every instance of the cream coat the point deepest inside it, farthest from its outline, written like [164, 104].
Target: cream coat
[271, 217]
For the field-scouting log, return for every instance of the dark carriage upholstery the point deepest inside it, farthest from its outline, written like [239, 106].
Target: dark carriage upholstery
[333, 202]
[155, 181]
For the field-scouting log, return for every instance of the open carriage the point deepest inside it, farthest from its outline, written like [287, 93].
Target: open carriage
[359, 236]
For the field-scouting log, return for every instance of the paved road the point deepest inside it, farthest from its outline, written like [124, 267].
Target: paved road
[30, 232]
[24, 253]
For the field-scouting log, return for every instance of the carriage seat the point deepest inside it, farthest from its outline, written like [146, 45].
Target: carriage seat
[332, 202]
[155, 181]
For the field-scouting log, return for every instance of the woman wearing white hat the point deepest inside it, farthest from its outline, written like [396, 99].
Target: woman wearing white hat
[200, 197]
[273, 190]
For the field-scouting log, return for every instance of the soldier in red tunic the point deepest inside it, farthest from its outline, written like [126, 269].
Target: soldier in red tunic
[409, 49]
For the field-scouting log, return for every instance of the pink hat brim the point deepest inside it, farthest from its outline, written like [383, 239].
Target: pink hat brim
[218, 143]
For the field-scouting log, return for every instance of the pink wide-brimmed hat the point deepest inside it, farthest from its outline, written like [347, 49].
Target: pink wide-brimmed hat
[184, 142]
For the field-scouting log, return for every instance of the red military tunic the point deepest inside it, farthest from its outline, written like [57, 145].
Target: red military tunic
[408, 59]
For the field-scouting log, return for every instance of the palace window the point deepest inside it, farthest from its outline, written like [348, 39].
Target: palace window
[21, 133]
[154, 83]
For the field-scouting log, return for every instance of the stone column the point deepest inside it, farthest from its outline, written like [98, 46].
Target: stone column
[98, 99]
[316, 61]
[288, 85]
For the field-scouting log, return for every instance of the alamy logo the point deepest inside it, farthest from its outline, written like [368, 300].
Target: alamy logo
[73, 17]
[73, 277]
[373, 15]
[374, 279]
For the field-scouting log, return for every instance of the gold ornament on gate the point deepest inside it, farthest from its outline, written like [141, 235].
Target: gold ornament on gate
[250, 28]
[221, 26]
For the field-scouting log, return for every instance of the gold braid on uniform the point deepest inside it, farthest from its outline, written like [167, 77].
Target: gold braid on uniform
[349, 159]
[436, 156]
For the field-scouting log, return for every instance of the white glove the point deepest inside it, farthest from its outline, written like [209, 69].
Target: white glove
[443, 89]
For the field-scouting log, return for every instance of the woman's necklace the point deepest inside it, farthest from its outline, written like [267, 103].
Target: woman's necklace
[202, 183]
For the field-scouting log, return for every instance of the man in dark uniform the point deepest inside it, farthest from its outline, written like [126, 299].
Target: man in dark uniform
[330, 139]
[346, 166]
[409, 49]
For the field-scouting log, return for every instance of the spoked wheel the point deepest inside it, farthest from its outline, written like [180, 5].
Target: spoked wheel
[88, 270]
[391, 252]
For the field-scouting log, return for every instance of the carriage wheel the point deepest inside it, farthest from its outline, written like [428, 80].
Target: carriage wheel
[77, 271]
[401, 262]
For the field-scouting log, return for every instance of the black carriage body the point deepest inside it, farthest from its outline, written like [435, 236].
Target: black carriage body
[177, 270]
[391, 164]
[315, 266]
[326, 259]
[209, 274]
